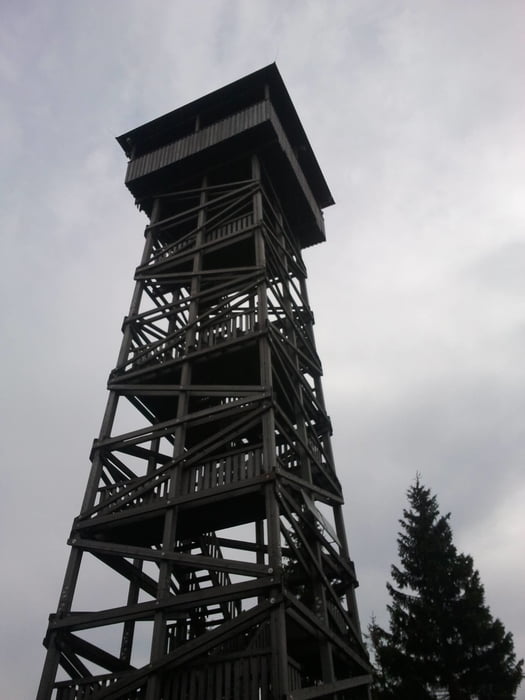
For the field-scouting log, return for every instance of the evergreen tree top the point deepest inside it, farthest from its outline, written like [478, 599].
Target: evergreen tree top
[443, 641]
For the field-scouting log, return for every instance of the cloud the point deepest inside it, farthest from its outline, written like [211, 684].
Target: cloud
[415, 111]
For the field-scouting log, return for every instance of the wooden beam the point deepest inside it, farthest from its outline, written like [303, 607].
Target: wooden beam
[124, 568]
[95, 654]
[173, 606]
[186, 561]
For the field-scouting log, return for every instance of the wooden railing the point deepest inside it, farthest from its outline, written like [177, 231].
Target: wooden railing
[212, 333]
[160, 254]
[132, 495]
[220, 471]
[172, 249]
[227, 328]
[231, 227]
[245, 678]
[287, 456]
[223, 471]
[89, 688]
[294, 675]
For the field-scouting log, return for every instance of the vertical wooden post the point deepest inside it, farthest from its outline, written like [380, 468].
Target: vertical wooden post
[278, 620]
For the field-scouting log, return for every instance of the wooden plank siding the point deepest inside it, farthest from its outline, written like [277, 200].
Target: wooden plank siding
[198, 141]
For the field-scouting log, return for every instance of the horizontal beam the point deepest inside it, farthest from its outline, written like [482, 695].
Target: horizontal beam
[187, 561]
[179, 603]
[193, 389]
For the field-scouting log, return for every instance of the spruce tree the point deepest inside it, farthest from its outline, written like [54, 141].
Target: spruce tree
[443, 642]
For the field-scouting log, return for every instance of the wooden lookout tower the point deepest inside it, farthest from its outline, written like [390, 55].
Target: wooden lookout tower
[213, 512]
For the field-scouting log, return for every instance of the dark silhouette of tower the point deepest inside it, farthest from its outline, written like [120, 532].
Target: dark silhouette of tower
[212, 508]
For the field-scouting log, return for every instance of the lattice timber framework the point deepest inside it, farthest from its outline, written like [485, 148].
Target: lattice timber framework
[211, 532]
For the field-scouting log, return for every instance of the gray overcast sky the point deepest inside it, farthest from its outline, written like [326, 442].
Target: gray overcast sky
[415, 110]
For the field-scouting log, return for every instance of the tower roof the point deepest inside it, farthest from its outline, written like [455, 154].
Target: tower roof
[220, 103]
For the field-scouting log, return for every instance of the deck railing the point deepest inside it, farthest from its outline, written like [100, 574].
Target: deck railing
[202, 476]
[224, 471]
[91, 687]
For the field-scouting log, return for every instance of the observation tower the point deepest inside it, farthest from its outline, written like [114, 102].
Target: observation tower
[213, 513]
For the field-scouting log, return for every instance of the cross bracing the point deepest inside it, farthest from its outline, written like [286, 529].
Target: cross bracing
[212, 507]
